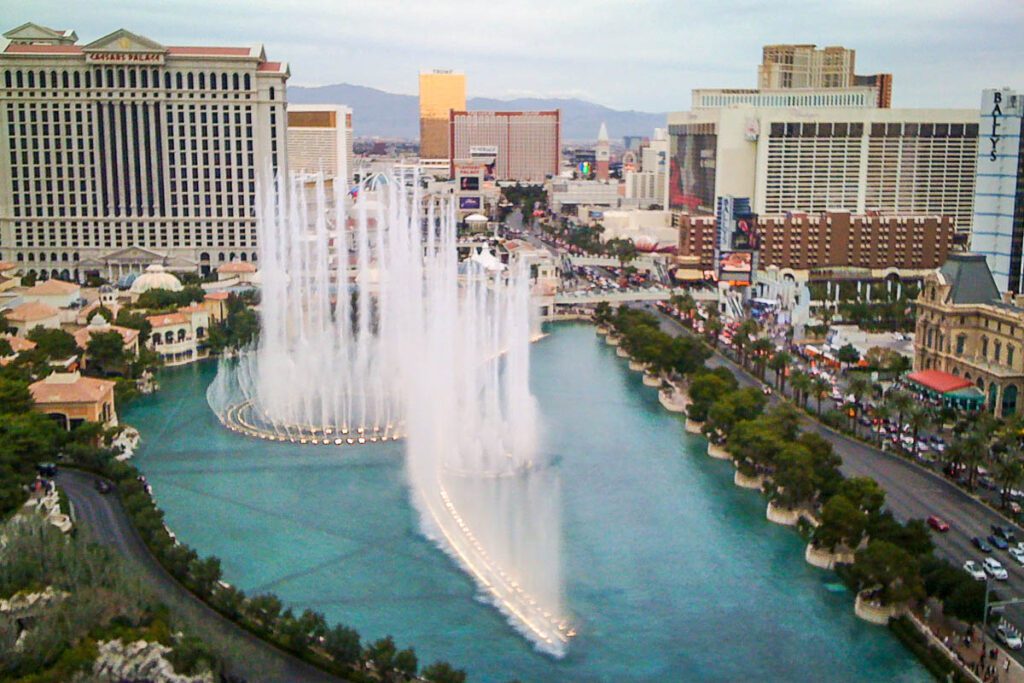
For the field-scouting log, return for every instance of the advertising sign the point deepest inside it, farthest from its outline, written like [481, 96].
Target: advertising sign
[471, 183]
[469, 203]
[483, 150]
[735, 266]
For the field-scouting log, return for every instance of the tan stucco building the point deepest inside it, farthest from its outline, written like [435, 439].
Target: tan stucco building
[72, 399]
[966, 329]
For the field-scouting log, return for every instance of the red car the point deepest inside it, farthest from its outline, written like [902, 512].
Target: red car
[938, 524]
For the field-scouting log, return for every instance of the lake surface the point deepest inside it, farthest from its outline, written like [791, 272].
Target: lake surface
[672, 573]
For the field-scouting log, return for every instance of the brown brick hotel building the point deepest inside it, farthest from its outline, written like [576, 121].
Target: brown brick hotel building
[832, 239]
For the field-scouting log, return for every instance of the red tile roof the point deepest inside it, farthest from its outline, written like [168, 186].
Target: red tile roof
[166, 319]
[938, 381]
[198, 50]
[70, 388]
[269, 66]
[29, 48]
[31, 311]
[236, 267]
[216, 296]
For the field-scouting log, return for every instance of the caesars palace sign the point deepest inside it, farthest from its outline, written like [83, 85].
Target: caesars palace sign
[125, 57]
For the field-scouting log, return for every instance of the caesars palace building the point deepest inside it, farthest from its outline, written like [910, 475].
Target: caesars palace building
[124, 153]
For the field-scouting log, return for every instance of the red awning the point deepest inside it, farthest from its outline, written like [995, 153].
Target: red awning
[938, 381]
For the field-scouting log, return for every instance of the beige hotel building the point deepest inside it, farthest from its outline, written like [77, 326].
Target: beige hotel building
[122, 152]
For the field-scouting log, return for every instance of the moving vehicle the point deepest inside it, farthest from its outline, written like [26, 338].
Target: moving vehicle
[1009, 635]
[998, 542]
[995, 569]
[1004, 532]
[104, 486]
[980, 544]
[1017, 553]
[938, 523]
[975, 570]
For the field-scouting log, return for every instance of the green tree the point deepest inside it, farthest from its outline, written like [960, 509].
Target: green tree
[5, 348]
[891, 569]
[204, 575]
[778, 364]
[802, 387]
[861, 388]
[848, 355]
[135, 321]
[14, 396]
[106, 353]
[443, 672]
[406, 663]
[820, 388]
[342, 643]
[705, 388]
[761, 350]
[842, 522]
[55, 344]
[381, 654]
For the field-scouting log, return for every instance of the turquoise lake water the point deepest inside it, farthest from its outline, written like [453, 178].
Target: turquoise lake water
[672, 573]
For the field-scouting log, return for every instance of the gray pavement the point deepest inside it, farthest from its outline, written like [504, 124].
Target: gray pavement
[248, 658]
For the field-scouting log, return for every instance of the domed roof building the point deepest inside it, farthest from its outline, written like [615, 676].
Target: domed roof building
[155, 277]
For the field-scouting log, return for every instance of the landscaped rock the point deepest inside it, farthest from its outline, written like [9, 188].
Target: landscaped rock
[744, 482]
[651, 380]
[781, 515]
[139, 661]
[693, 426]
[874, 612]
[621, 352]
[636, 366]
[718, 452]
[612, 340]
[825, 559]
[674, 402]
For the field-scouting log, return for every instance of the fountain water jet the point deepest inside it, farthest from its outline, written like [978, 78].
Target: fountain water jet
[373, 327]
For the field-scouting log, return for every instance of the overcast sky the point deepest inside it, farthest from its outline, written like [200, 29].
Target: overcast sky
[628, 54]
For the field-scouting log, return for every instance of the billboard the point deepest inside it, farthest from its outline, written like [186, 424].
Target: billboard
[736, 266]
[471, 183]
[692, 165]
[483, 150]
[469, 203]
[745, 235]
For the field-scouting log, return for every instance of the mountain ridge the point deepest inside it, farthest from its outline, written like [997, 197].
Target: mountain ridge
[378, 113]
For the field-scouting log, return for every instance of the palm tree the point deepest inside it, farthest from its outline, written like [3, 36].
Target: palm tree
[802, 386]
[713, 327]
[686, 306]
[918, 418]
[902, 403]
[779, 362]
[820, 387]
[745, 333]
[1008, 469]
[860, 387]
[881, 413]
[760, 350]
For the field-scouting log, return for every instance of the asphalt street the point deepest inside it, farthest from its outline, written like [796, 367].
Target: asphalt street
[248, 658]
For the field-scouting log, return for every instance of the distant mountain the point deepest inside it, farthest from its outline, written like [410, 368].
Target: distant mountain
[382, 114]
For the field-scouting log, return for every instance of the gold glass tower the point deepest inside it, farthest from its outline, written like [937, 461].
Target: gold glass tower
[440, 92]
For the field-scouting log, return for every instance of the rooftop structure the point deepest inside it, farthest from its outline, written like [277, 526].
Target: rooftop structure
[72, 399]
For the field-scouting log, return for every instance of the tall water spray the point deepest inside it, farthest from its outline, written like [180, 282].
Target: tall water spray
[372, 328]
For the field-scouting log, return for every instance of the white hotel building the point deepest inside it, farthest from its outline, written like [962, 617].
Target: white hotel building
[122, 153]
[816, 159]
[999, 194]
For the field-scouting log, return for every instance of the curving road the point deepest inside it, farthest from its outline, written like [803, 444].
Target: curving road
[247, 657]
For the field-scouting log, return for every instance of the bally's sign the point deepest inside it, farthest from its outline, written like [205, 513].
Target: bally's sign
[125, 57]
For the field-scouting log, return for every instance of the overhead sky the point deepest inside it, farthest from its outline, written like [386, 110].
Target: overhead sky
[627, 54]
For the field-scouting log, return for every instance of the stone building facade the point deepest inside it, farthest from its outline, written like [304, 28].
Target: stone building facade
[966, 329]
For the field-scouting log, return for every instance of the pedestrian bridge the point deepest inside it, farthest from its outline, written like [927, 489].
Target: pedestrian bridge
[628, 296]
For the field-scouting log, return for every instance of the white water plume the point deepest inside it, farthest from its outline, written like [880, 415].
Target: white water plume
[373, 329]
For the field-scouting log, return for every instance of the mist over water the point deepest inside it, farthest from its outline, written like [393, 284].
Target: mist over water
[373, 329]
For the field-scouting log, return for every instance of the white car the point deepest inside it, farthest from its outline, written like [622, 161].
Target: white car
[1009, 635]
[1017, 553]
[995, 569]
[975, 570]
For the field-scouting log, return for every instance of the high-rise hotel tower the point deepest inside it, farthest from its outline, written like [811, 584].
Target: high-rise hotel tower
[123, 152]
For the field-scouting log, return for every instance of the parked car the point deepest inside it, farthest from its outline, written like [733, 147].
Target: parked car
[1004, 532]
[981, 545]
[938, 523]
[47, 469]
[998, 542]
[995, 569]
[104, 486]
[1009, 635]
[975, 570]
[1017, 553]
